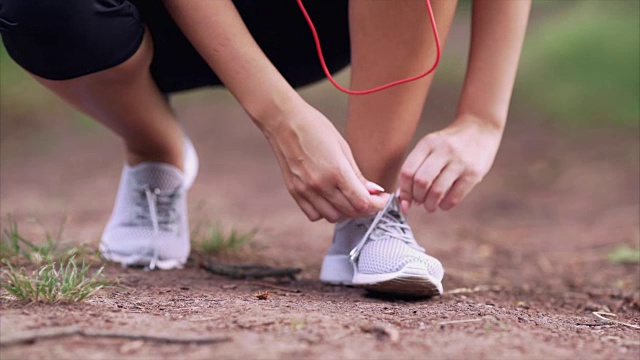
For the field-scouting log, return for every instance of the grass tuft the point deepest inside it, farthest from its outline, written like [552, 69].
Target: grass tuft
[68, 282]
[212, 239]
[15, 247]
[624, 254]
[59, 275]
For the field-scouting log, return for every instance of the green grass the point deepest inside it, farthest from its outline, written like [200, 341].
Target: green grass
[212, 239]
[16, 248]
[624, 254]
[68, 282]
[21, 94]
[580, 64]
[24, 102]
[60, 273]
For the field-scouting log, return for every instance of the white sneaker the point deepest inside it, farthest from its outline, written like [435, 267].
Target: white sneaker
[149, 225]
[337, 268]
[385, 256]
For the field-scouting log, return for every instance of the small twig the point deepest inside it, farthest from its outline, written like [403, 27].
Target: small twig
[451, 322]
[478, 288]
[249, 271]
[590, 325]
[602, 316]
[30, 337]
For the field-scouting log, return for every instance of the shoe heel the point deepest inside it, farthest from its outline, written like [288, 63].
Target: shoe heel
[336, 270]
[191, 163]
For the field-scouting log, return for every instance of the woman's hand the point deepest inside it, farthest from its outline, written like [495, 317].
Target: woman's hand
[446, 165]
[319, 169]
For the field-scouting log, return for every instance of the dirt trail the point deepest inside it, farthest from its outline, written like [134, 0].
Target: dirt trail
[529, 246]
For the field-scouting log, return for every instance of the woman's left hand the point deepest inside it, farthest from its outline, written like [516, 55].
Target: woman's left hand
[446, 165]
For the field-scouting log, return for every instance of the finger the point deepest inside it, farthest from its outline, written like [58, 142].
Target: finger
[427, 174]
[340, 202]
[373, 188]
[441, 186]
[308, 209]
[410, 168]
[371, 203]
[324, 207]
[355, 188]
[358, 190]
[460, 189]
[404, 206]
[378, 202]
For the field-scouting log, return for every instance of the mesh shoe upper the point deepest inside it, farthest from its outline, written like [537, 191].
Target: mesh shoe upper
[347, 235]
[149, 223]
[390, 245]
[149, 220]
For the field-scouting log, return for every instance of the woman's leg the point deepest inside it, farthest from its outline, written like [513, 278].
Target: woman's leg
[66, 48]
[96, 55]
[126, 99]
[390, 40]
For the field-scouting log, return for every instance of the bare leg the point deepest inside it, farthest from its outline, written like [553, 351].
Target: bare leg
[126, 100]
[390, 40]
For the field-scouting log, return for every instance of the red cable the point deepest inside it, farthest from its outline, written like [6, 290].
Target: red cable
[381, 87]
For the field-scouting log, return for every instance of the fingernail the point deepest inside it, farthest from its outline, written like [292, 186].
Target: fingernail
[375, 188]
[404, 206]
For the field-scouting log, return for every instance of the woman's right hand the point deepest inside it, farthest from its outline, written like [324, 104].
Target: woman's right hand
[316, 162]
[319, 169]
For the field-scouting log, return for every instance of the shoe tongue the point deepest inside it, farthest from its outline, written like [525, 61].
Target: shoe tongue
[394, 210]
[392, 214]
[163, 177]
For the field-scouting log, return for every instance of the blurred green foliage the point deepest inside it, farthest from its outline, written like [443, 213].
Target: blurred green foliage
[581, 63]
[24, 101]
[19, 92]
[624, 254]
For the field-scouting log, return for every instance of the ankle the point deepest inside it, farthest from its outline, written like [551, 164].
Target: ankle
[172, 155]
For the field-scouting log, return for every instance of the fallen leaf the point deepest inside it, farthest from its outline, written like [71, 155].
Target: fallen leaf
[262, 295]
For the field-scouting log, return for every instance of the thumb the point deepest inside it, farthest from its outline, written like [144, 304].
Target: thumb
[379, 201]
[377, 197]
[372, 187]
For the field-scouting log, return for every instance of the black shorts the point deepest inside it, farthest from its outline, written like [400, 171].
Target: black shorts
[65, 39]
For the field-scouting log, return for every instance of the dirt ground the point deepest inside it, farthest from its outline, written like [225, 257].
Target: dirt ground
[525, 256]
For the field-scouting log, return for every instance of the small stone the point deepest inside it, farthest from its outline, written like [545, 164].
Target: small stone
[131, 346]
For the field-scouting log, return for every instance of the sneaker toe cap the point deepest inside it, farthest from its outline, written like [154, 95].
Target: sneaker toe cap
[430, 265]
[374, 261]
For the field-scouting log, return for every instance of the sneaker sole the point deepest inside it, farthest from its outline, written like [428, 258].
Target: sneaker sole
[410, 281]
[137, 260]
[336, 270]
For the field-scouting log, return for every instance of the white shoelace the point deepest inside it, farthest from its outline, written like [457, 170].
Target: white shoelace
[159, 205]
[152, 201]
[385, 225]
